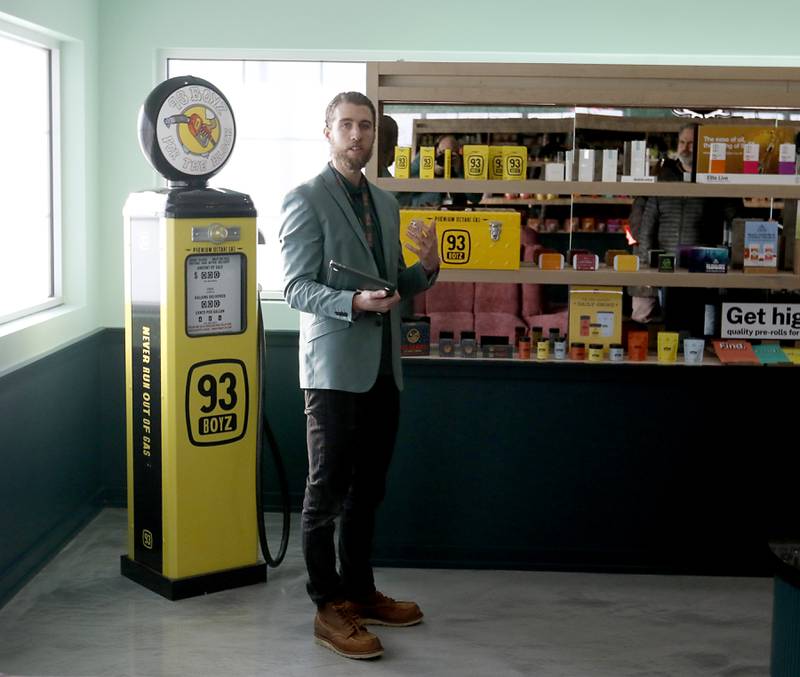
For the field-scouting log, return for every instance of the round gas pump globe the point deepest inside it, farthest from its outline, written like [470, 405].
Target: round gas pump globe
[186, 130]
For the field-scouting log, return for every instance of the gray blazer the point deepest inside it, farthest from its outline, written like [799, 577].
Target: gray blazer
[340, 351]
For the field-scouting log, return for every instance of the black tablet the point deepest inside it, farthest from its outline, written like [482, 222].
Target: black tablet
[341, 276]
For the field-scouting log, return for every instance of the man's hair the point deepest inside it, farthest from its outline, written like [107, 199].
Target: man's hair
[356, 98]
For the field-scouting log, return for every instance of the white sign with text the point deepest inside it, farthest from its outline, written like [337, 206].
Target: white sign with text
[761, 320]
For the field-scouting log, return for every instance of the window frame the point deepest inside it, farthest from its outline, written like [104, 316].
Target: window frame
[268, 296]
[53, 47]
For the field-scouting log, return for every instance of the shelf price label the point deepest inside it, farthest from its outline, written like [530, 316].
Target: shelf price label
[217, 402]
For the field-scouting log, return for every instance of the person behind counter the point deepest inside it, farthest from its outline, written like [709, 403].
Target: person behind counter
[350, 371]
[667, 222]
[459, 200]
[387, 140]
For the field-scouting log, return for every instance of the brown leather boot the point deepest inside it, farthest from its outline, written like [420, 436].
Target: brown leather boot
[378, 609]
[336, 628]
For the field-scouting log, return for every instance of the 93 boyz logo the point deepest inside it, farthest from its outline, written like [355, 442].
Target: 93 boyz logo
[195, 129]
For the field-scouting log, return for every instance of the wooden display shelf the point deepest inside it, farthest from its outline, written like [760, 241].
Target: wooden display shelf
[559, 201]
[709, 360]
[528, 274]
[588, 188]
[619, 233]
[600, 85]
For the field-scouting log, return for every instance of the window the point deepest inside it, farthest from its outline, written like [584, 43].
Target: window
[279, 107]
[29, 275]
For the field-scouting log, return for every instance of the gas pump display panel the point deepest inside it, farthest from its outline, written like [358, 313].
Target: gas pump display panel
[215, 294]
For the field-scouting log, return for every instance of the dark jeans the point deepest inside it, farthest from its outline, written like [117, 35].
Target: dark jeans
[350, 441]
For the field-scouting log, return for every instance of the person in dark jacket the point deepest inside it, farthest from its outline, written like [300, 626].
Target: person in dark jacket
[668, 222]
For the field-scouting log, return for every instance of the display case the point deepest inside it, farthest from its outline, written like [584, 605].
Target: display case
[598, 106]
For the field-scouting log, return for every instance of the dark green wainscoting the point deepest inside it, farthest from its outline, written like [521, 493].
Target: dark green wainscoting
[594, 467]
[51, 425]
[501, 465]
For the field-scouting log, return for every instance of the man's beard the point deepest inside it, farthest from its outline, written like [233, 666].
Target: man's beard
[686, 161]
[352, 164]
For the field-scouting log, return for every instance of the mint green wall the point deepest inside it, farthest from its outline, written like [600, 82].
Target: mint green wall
[132, 33]
[113, 57]
[74, 25]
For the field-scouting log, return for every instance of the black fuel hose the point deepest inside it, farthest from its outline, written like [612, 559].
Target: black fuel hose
[264, 430]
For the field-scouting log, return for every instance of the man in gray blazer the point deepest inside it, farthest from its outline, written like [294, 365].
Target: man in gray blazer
[349, 370]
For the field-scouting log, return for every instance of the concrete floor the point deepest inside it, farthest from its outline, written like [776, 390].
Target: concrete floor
[79, 616]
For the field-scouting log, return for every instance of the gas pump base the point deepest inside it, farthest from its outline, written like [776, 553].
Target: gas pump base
[192, 586]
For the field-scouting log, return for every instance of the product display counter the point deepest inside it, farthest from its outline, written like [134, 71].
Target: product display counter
[505, 464]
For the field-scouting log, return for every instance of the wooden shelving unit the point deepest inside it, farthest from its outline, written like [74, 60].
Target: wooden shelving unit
[559, 201]
[529, 274]
[588, 188]
[571, 85]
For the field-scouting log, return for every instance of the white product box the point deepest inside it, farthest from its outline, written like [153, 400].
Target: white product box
[569, 165]
[554, 171]
[638, 161]
[610, 157]
[586, 164]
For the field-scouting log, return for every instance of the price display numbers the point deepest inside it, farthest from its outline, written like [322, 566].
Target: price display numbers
[456, 246]
[214, 294]
[217, 402]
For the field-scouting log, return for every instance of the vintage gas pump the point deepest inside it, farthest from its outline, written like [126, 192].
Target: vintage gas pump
[191, 351]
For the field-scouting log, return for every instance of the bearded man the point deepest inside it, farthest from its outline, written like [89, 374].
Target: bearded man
[350, 371]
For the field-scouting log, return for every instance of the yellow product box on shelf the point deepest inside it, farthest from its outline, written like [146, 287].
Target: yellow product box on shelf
[448, 163]
[496, 162]
[427, 157]
[595, 315]
[626, 263]
[551, 261]
[481, 240]
[402, 162]
[476, 161]
[515, 163]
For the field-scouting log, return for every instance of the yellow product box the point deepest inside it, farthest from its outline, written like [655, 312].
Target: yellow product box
[626, 263]
[496, 162]
[448, 163]
[551, 261]
[515, 163]
[595, 315]
[483, 240]
[476, 161]
[427, 158]
[721, 148]
[402, 162]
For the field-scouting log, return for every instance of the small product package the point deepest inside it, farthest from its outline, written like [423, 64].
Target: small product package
[476, 162]
[427, 159]
[515, 163]
[402, 162]
[447, 346]
[496, 162]
[415, 336]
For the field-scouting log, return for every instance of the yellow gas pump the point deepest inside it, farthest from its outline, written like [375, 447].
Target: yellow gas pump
[191, 353]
